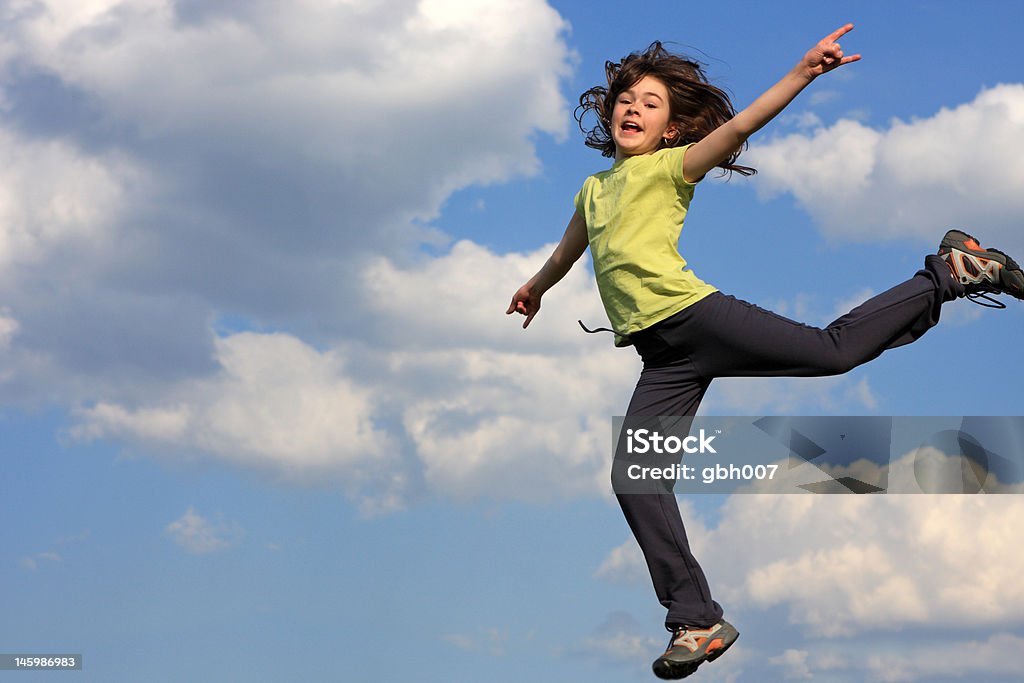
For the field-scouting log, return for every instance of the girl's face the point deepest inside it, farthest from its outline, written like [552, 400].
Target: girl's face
[640, 118]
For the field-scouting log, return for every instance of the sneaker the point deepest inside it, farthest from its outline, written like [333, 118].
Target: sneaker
[690, 647]
[981, 271]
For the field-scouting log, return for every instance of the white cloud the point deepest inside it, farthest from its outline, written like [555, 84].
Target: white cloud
[32, 562]
[950, 656]
[619, 638]
[958, 167]
[794, 665]
[275, 404]
[272, 162]
[999, 654]
[462, 296]
[492, 640]
[172, 163]
[491, 408]
[467, 413]
[623, 564]
[456, 399]
[363, 86]
[8, 328]
[54, 195]
[847, 564]
[199, 536]
[285, 144]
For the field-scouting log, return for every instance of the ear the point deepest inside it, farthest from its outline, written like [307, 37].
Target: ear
[671, 131]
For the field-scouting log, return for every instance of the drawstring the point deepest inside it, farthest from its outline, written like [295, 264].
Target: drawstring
[595, 331]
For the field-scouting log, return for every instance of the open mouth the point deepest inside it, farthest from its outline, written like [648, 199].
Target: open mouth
[630, 127]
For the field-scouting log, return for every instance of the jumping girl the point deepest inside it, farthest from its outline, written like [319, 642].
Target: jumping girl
[667, 127]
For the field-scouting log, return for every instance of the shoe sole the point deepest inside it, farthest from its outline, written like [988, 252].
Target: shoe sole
[671, 670]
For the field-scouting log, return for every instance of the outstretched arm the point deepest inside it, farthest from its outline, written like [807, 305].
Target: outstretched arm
[526, 300]
[721, 143]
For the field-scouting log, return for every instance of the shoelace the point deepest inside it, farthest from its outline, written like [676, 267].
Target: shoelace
[687, 637]
[983, 295]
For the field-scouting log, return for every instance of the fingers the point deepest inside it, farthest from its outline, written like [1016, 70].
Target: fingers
[838, 33]
[830, 47]
[836, 59]
[522, 307]
[832, 52]
[517, 304]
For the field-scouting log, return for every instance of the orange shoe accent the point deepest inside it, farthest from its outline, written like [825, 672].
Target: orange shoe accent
[716, 644]
[971, 244]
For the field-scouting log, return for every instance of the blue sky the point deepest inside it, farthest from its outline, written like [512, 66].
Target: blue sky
[262, 417]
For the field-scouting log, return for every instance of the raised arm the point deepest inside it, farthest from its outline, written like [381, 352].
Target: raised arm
[720, 144]
[526, 300]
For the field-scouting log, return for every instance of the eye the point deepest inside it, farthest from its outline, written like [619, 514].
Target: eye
[651, 105]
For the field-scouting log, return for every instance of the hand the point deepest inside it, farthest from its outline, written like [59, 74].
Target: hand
[524, 302]
[827, 54]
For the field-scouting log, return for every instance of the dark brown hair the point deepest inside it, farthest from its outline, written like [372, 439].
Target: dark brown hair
[695, 106]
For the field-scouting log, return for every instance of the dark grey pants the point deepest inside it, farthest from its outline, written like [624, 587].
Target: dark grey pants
[721, 336]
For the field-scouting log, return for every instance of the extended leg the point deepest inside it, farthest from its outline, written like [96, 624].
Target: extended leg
[654, 517]
[727, 337]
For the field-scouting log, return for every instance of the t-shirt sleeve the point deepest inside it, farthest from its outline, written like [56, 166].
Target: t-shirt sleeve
[580, 199]
[674, 158]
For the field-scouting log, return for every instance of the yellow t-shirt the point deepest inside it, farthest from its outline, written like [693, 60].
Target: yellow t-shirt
[634, 213]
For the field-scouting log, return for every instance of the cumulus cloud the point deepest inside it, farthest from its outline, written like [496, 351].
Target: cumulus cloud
[460, 296]
[55, 195]
[914, 178]
[455, 399]
[217, 255]
[198, 536]
[466, 415]
[623, 564]
[794, 665]
[275, 404]
[848, 564]
[996, 657]
[619, 638]
[169, 164]
[1000, 654]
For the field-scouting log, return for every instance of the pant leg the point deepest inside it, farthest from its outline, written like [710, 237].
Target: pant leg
[654, 517]
[738, 339]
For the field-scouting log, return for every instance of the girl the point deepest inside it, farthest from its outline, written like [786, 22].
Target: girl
[666, 127]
